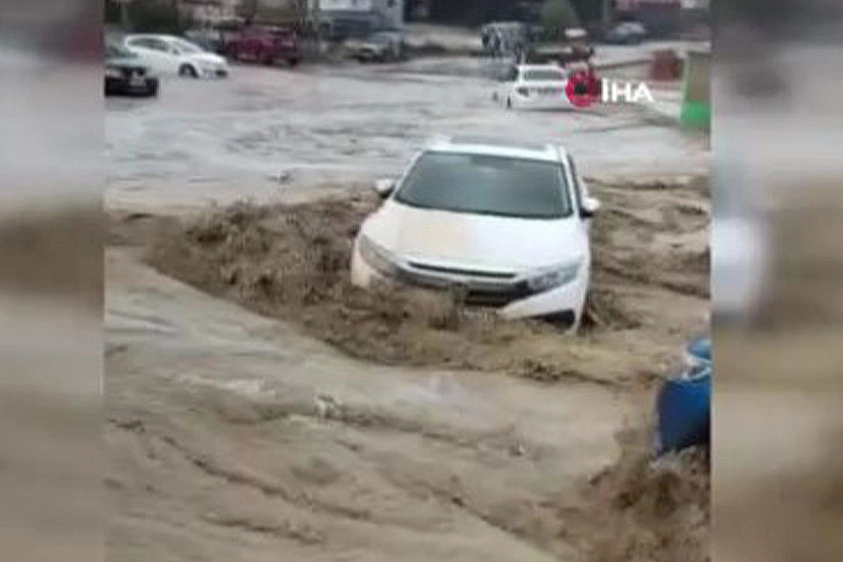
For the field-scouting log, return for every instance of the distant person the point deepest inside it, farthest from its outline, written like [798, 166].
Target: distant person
[496, 46]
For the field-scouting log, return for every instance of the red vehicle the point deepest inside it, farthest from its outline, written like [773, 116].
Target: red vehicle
[265, 45]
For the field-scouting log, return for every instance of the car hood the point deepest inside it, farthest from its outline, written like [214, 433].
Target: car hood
[481, 241]
[124, 62]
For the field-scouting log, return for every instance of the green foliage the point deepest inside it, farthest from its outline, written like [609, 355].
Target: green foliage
[150, 16]
[557, 16]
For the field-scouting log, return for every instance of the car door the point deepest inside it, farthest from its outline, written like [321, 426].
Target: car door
[250, 44]
[155, 53]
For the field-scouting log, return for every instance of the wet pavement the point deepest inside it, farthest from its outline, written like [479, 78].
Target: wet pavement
[265, 130]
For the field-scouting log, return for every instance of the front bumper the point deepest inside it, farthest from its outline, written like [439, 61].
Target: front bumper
[561, 305]
[214, 72]
[125, 87]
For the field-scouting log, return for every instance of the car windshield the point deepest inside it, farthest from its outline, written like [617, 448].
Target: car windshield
[488, 185]
[187, 47]
[544, 75]
[114, 51]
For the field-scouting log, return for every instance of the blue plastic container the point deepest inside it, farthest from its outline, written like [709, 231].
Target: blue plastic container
[698, 351]
[683, 410]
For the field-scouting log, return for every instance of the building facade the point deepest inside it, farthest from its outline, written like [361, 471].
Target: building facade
[209, 11]
[376, 13]
[663, 18]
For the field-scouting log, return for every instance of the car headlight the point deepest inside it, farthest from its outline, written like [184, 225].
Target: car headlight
[377, 257]
[113, 72]
[553, 277]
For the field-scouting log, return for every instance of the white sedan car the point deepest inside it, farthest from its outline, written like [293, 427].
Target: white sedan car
[505, 224]
[168, 54]
[534, 87]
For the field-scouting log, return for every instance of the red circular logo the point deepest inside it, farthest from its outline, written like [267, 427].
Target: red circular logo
[582, 89]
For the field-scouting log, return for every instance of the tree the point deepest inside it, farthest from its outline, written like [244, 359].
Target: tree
[248, 9]
[557, 16]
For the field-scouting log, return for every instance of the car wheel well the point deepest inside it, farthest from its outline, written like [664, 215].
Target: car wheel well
[188, 69]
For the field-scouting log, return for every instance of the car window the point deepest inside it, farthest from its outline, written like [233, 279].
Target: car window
[113, 50]
[548, 75]
[187, 47]
[150, 43]
[489, 185]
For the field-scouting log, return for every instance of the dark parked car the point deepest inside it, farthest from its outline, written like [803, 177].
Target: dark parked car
[208, 38]
[125, 76]
[626, 33]
[381, 46]
[265, 45]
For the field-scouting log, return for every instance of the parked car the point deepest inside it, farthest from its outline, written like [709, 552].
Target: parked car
[683, 404]
[534, 87]
[168, 54]
[381, 46]
[626, 33]
[125, 75]
[209, 38]
[266, 45]
[505, 225]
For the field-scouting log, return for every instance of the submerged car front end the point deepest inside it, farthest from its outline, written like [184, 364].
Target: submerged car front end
[367, 50]
[210, 65]
[550, 289]
[126, 77]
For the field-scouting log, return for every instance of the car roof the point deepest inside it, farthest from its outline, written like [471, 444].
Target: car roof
[161, 36]
[491, 146]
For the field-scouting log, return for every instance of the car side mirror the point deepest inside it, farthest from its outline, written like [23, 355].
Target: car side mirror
[590, 206]
[385, 187]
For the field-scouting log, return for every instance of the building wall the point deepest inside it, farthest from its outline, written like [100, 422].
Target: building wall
[392, 10]
[347, 5]
[209, 10]
[661, 17]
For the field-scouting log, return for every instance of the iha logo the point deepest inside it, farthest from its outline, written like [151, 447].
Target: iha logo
[584, 89]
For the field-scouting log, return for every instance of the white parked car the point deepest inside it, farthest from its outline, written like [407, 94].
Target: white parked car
[505, 224]
[534, 86]
[168, 54]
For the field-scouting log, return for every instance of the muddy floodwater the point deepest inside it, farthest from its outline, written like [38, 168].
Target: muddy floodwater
[264, 129]
[262, 409]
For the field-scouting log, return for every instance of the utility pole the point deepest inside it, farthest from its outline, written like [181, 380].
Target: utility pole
[124, 14]
[607, 13]
[317, 25]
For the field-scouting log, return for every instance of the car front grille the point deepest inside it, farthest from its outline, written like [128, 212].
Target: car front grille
[496, 299]
[459, 271]
[130, 72]
[492, 293]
